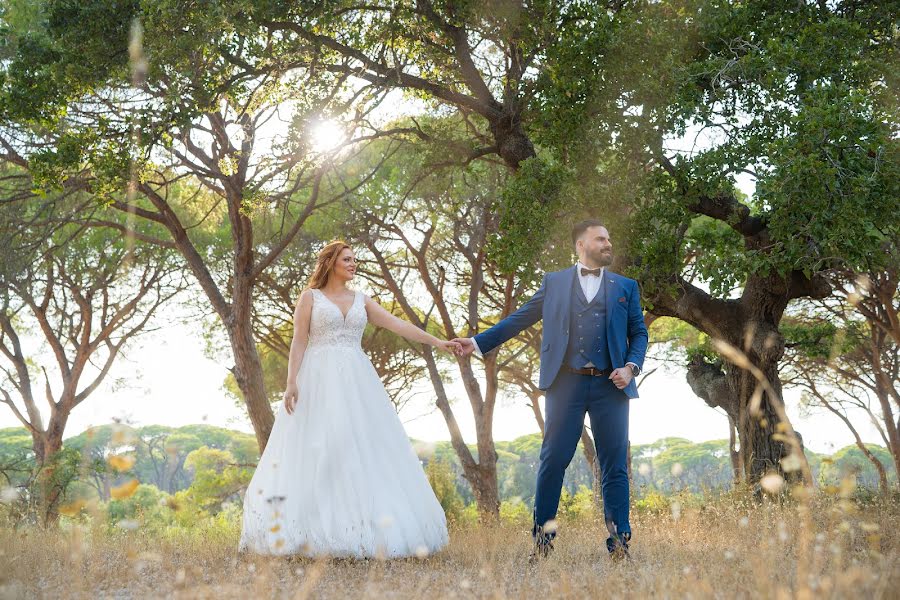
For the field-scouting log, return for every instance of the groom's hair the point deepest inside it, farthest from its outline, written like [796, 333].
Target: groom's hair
[583, 226]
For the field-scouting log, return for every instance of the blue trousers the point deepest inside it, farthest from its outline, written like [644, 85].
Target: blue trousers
[567, 401]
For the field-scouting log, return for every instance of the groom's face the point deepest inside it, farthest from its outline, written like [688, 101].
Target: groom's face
[595, 247]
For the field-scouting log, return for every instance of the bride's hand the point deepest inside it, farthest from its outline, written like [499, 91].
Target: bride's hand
[448, 346]
[290, 399]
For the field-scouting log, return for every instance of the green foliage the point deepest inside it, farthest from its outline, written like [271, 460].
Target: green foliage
[443, 483]
[515, 512]
[851, 462]
[530, 200]
[816, 339]
[800, 97]
[217, 478]
[148, 506]
[653, 501]
[16, 456]
[577, 507]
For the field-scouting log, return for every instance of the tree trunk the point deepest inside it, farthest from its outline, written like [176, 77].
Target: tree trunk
[883, 485]
[248, 373]
[483, 480]
[46, 444]
[761, 453]
[709, 381]
[884, 385]
[513, 144]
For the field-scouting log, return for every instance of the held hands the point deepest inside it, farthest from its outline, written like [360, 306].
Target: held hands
[451, 346]
[466, 346]
[621, 377]
[290, 398]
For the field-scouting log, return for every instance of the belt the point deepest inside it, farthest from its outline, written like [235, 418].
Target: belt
[590, 371]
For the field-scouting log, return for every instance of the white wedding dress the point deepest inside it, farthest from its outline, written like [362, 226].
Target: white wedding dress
[339, 476]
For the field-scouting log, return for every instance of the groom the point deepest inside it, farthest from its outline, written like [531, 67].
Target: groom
[593, 346]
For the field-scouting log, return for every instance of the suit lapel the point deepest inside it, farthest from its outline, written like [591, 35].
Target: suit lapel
[611, 286]
[565, 298]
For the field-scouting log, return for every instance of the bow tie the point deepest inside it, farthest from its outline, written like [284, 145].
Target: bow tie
[595, 272]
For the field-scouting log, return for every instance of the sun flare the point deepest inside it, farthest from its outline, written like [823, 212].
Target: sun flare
[326, 135]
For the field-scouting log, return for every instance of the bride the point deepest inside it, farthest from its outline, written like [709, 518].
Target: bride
[338, 476]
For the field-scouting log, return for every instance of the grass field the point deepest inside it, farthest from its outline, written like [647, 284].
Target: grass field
[725, 549]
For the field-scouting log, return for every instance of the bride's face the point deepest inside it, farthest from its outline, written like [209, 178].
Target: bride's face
[345, 267]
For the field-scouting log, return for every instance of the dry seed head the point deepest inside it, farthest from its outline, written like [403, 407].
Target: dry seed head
[791, 463]
[120, 462]
[732, 354]
[126, 490]
[756, 403]
[72, 508]
[772, 483]
[8, 495]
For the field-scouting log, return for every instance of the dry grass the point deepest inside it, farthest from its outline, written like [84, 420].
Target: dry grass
[722, 550]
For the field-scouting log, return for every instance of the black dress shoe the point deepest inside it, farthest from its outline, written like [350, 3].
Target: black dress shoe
[542, 550]
[543, 544]
[618, 546]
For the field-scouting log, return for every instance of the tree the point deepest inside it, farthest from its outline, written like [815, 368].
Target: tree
[818, 137]
[182, 142]
[843, 351]
[851, 461]
[88, 296]
[479, 59]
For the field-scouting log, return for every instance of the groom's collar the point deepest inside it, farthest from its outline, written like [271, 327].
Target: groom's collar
[578, 266]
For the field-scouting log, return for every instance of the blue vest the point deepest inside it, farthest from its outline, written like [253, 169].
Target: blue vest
[587, 329]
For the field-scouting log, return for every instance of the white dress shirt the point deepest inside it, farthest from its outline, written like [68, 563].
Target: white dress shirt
[590, 285]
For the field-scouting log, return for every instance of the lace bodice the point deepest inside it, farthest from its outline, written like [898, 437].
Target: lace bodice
[329, 327]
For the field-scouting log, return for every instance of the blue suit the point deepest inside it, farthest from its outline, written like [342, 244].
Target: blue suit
[569, 396]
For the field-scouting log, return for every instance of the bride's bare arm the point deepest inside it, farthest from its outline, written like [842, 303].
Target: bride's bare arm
[380, 317]
[298, 348]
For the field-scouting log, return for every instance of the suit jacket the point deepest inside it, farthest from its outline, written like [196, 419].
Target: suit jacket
[626, 333]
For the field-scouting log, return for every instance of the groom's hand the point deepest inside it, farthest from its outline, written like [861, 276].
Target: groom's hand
[621, 377]
[466, 346]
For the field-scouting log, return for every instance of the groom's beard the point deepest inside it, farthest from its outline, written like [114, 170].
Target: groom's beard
[604, 259]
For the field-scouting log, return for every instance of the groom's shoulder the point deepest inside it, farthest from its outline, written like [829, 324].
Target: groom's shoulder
[627, 281]
[560, 273]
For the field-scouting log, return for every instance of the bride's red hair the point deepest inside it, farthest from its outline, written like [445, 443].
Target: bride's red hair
[325, 262]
